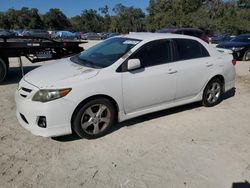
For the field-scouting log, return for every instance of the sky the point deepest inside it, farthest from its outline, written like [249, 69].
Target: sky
[69, 7]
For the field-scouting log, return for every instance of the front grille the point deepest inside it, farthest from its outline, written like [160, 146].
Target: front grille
[23, 118]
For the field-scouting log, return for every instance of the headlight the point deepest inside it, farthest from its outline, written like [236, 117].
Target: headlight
[237, 48]
[45, 95]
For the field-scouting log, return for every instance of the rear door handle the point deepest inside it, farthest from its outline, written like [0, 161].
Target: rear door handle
[171, 71]
[209, 64]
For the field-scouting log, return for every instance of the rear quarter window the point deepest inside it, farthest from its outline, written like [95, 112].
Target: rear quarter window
[189, 49]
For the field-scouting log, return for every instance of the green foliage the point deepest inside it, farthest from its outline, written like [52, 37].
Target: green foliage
[21, 19]
[213, 16]
[56, 20]
[127, 19]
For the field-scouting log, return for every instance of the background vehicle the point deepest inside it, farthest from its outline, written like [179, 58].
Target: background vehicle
[78, 35]
[106, 83]
[112, 35]
[7, 33]
[186, 31]
[104, 35]
[66, 35]
[240, 46]
[91, 36]
[221, 38]
[36, 33]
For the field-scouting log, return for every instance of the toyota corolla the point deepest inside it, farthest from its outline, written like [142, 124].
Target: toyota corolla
[121, 78]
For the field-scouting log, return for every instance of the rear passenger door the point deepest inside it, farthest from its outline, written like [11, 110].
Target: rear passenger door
[194, 66]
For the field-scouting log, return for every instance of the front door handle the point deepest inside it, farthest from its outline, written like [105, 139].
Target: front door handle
[172, 71]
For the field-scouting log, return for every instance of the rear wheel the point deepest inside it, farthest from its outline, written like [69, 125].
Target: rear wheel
[94, 118]
[246, 56]
[3, 69]
[212, 93]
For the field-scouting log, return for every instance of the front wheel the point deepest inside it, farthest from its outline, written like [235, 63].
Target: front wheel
[212, 93]
[94, 119]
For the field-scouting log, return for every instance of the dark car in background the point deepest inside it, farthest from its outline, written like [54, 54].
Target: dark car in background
[240, 46]
[91, 36]
[186, 31]
[36, 33]
[6, 33]
[112, 35]
[221, 38]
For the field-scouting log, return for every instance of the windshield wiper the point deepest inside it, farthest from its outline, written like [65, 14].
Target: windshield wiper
[85, 62]
[88, 63]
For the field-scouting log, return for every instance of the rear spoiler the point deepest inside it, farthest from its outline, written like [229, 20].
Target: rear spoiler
[223, 50]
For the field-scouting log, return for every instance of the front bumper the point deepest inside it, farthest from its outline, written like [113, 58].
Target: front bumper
[58, 115]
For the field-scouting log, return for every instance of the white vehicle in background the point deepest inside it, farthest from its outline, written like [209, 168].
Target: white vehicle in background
[121, 78]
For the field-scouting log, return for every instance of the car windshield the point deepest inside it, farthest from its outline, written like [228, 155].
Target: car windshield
[245, 38]
[105, 53]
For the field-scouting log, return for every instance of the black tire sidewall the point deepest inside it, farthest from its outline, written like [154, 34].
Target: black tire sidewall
[76, 121]
[244, 57]
[204, 97]
[3, 70]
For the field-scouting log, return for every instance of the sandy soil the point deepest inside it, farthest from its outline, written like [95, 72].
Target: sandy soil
[188, 146]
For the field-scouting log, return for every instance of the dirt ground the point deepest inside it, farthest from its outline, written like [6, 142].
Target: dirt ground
[189, 146]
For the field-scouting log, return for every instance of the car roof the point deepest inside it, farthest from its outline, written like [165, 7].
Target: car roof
[154, 36]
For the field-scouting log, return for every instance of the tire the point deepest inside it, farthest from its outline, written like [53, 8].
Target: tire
[246, 56]
[94, 118]
[3, 70]
[212, 94]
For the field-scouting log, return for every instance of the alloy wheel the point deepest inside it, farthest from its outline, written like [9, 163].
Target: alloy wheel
[213, 93]
[95, 119]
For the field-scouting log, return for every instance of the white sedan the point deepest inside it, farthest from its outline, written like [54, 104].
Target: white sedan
[121, 78]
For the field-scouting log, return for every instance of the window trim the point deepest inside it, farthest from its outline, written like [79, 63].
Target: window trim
[123, 66]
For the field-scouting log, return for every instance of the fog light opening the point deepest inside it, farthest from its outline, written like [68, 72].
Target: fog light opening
[42, 122]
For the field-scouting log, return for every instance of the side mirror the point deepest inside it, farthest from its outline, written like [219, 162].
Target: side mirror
[134, 64]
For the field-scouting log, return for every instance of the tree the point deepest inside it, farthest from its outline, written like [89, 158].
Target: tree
[127, 19]
[13, 19]
[56, 20]
[35, 20]
[91, 21]
[106, 19]
[214, 16]
[4, 22]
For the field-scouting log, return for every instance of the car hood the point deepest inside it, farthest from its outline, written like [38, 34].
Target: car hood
[229, 45]
[63, 72]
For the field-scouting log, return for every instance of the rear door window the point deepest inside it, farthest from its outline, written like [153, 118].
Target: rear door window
[189, 49]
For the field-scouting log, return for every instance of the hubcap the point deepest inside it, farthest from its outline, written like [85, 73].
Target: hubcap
[95, 119]
[213, 93]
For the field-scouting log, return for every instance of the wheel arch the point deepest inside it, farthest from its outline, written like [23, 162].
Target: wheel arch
[98, 96]
[220, 77]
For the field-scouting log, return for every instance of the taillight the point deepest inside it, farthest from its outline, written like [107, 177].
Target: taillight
[234, 61]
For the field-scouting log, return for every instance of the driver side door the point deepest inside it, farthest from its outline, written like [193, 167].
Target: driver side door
[155, 82]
